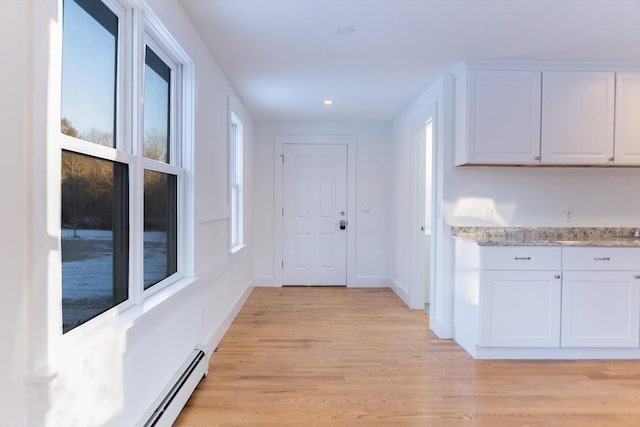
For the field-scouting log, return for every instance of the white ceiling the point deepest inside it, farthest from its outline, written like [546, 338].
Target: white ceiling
[284, 57]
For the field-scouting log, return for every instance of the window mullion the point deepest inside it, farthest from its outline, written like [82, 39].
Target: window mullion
[135, 147]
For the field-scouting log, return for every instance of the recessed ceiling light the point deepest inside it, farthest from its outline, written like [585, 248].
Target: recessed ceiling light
[345, 31]
[327, 102]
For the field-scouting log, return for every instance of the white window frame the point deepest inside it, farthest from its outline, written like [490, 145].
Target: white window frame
[236, 183]
[121, 153]
[153, 38]
[137, 27]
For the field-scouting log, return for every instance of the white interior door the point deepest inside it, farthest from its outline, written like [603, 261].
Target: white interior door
[314, 205]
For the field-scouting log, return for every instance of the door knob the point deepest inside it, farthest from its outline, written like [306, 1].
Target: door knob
[343, 224]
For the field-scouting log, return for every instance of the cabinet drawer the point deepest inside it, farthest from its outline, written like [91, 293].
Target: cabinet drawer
[600, 258]
[521, 258]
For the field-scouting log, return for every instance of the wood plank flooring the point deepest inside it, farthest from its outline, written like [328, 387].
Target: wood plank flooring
[359, 357]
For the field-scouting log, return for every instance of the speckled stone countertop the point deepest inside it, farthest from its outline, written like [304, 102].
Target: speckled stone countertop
[549, 236]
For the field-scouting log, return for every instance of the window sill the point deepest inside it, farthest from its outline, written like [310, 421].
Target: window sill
[236, 249]
[83, 340]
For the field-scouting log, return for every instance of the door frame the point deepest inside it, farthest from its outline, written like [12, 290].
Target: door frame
[278, 196]
[417, 295]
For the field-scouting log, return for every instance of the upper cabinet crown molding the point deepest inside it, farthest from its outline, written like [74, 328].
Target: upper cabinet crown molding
[547, 114]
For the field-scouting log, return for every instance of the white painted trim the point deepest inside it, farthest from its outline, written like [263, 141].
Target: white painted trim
[418, 279]
[210, 212]
[370, 282]
[402, 294]
[443, 330]
[550, 65]
[441, 298]
[278, 149]
[266, 282]
[221, 328]
[556, 353]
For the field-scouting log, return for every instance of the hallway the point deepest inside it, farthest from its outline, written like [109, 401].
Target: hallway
[359, 357]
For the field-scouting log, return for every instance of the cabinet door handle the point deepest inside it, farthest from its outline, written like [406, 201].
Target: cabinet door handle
[557, 276]
[523, 258]
[595, 258]
[637, 276]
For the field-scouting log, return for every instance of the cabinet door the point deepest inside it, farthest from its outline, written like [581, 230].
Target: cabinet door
[577, 117]
[600, 309]
[504, 117]
[520, 309]
[627, 135]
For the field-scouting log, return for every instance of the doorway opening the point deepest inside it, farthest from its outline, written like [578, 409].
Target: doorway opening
[425, 206]
[424, 226]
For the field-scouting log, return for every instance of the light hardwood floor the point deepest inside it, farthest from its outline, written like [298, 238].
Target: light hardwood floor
[359, 357]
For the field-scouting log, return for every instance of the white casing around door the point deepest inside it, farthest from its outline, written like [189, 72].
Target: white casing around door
[577, 117]
[520, 309]
[503, 117]
[600, 309]
[627, 134]
[314, 203]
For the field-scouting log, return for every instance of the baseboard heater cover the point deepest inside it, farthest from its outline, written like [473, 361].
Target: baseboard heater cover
[178, 392]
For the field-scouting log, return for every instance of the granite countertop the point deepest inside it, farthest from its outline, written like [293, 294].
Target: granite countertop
[549, 236]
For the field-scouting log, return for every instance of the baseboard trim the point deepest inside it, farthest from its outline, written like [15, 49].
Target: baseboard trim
[357, 282]
[218, 332]
[402, 294]
[441, 329]
[368, 282]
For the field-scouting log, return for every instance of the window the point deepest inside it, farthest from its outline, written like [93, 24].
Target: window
[109, 174]
[89, 63]
[94, 190]
[94, 237]
[160, 187]
[235, 180]
[157, 100]
[160, 227]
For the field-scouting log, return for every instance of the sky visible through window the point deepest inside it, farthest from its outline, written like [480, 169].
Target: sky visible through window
[89, 78]
[156, 107]
[89, 74]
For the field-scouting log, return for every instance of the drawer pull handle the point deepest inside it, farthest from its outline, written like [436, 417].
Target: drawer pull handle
[595, 258]
[637, 276]
[523, 258]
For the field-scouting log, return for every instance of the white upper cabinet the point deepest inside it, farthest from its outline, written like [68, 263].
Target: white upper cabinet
[546, 114]
[577, 117]
[503, 117]
[627, 134]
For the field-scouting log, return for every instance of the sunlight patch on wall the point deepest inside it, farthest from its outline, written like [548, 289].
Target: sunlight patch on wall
[481, 211]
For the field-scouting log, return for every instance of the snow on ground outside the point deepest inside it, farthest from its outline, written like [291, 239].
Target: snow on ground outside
[87, 271]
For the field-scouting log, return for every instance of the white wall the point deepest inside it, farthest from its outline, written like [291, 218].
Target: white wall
[436, 102]
[517, 196]
[113, 372]
[14, 193]
[373, 187]
[537, 196]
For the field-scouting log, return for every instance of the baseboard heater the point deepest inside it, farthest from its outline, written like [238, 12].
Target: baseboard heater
[171, 402]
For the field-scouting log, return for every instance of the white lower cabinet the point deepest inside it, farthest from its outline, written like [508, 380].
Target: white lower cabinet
[547, 302]
[600, 309]
[520, 308]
